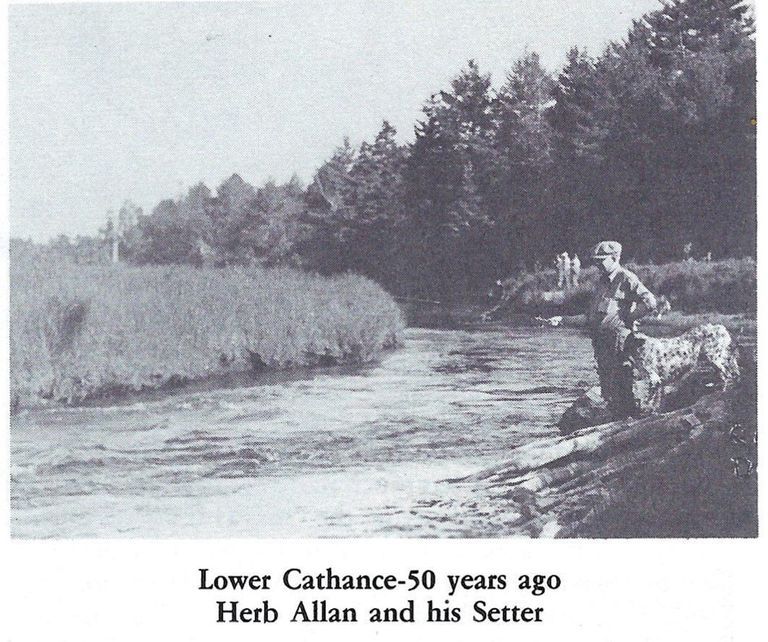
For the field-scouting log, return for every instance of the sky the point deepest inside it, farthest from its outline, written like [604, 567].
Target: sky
[140, 101]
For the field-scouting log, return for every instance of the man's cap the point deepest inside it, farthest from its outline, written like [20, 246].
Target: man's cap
[606, 248]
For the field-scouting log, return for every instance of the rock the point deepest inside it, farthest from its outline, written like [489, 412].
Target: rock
[588, 410]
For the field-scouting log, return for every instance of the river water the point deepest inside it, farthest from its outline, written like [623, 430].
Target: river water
[361, 453]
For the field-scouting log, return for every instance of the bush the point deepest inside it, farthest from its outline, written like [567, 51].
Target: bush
[727, 286]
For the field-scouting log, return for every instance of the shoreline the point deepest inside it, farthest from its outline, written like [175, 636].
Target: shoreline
[469, 315]
[73, 340]
[692, 493]
[460, 317]
[122, 396]
[694, 490]
[678, 474]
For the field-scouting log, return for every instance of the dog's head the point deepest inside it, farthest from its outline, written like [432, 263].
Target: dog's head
[646, 393]
[646, 384]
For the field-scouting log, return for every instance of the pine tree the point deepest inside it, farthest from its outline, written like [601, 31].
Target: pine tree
[449, 159]
[332, 189]
[329, 213]
[574, 117]
[682, 28]
[523, 155]
[447, 173]
[522, 130]
[467, 108]
[378, 205]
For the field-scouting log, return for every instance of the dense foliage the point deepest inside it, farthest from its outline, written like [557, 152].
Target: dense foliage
[727, 286]
[652, 143]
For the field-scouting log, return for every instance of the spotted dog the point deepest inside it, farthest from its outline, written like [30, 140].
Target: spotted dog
[658, 362]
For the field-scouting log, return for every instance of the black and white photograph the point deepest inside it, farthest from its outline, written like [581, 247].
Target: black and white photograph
[439, 269]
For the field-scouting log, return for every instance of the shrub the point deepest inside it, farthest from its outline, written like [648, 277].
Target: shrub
[727, 286]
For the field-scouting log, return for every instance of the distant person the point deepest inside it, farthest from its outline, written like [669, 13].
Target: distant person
[559, 266]
[618, 302]
[575, 271]
[566, 270]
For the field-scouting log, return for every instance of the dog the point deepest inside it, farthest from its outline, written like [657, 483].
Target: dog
[659, 362]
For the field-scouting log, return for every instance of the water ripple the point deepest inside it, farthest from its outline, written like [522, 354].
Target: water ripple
[342, 454]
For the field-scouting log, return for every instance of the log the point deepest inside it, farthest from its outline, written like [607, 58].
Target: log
[554, 484]
[610, 436]
[589, 409]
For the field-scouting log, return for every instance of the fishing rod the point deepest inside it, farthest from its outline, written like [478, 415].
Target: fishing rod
[418, 300]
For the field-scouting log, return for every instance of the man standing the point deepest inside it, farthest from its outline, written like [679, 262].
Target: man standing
[575, 271]
[566, 271]
[619, 300]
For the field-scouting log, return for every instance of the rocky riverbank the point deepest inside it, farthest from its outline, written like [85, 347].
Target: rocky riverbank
[689, 472]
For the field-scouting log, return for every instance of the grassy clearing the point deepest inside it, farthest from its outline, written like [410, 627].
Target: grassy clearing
[727, 287]
[79, 332]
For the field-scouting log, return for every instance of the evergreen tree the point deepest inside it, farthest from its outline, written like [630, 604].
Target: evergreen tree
[682, 28]
[379, 207]
[578, 95]
[524, 158]
[651, 143]
[329, 213]
[523, 131]
[449, 168]
[575, 211]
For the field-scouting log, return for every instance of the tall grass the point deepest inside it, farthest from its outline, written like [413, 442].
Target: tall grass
[81, 331]
[727, 286]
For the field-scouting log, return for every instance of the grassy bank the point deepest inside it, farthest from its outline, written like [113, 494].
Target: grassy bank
[83, 331]
[727, 287]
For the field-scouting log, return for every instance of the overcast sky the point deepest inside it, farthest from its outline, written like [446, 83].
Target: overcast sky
[140, 101]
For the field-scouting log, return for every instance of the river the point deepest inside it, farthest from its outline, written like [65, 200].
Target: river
[361, 453]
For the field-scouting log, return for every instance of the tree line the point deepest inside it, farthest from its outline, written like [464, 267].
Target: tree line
[651, 142]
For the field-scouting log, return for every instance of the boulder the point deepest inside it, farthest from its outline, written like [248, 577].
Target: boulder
[588, 410]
